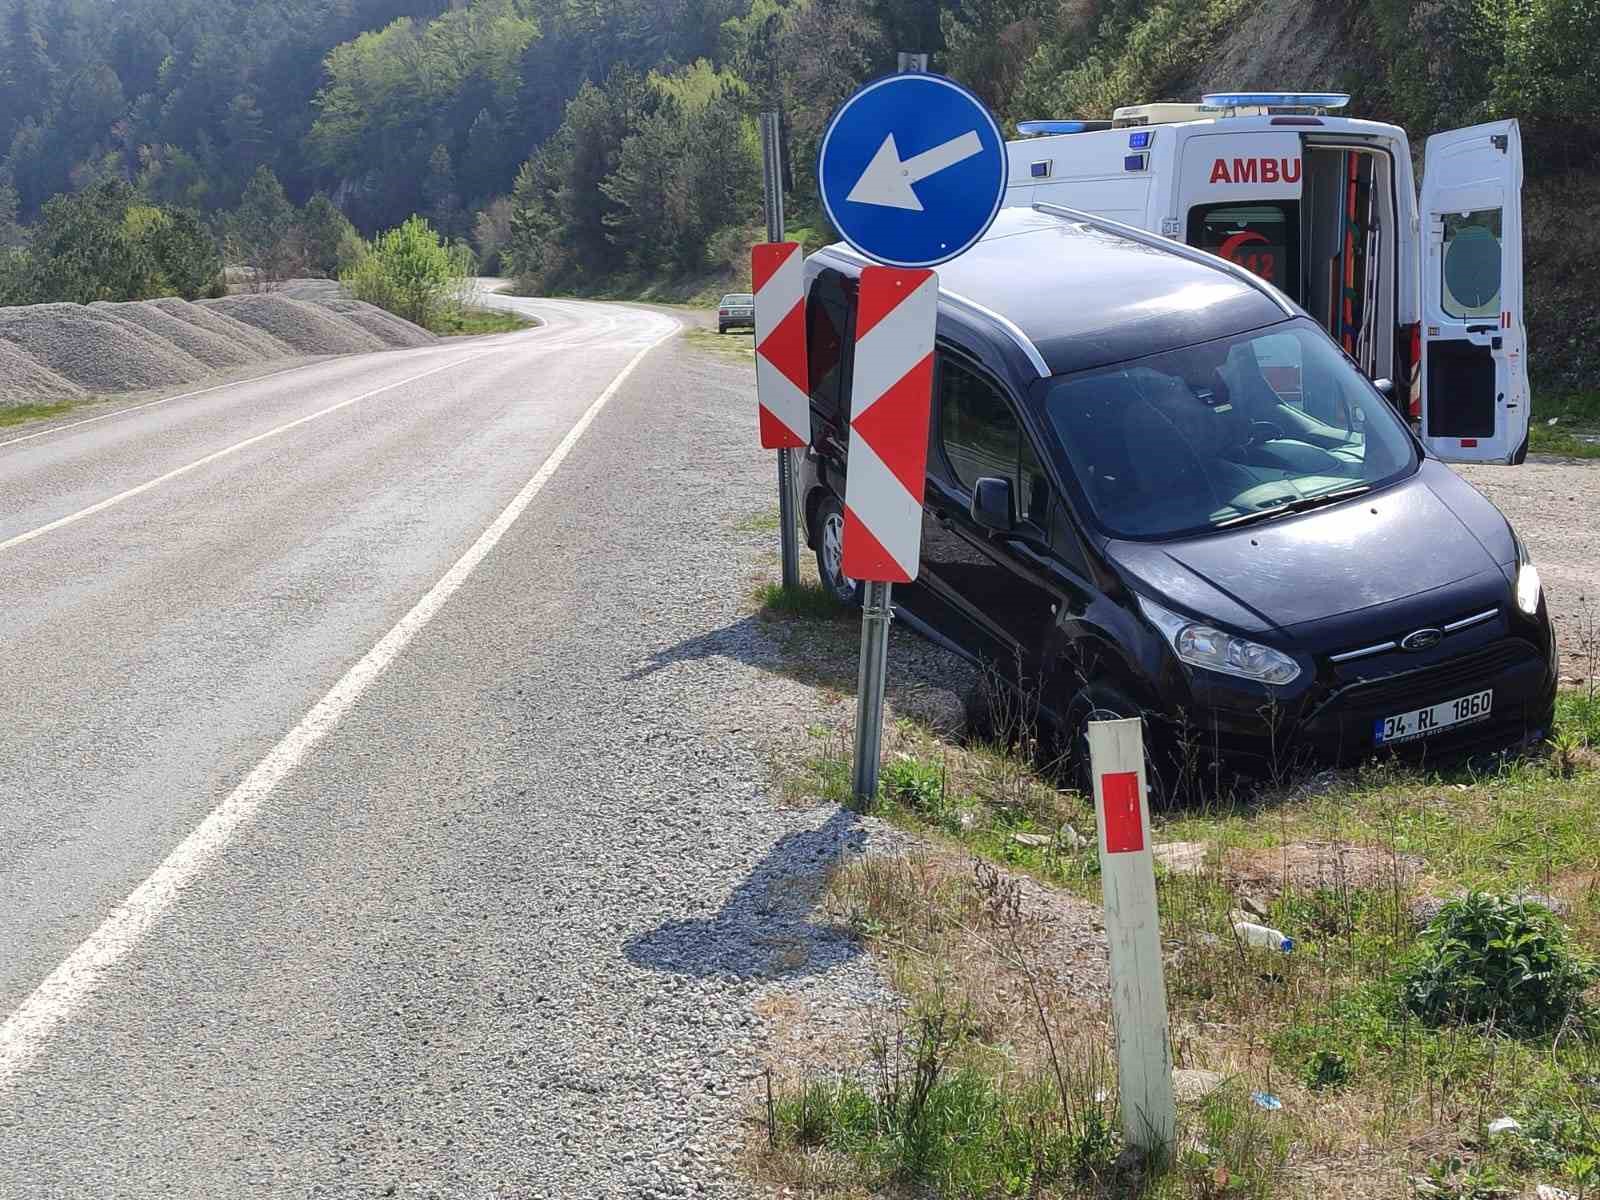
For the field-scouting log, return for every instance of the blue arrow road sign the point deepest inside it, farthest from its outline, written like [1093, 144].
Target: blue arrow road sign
[913, 170]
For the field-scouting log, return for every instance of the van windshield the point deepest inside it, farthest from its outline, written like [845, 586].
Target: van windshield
[1227, 431]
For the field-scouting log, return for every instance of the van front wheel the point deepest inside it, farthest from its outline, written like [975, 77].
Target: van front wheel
[1100, 703]
[828, 537]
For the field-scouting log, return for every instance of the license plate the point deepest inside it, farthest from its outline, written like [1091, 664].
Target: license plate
[1425, 722]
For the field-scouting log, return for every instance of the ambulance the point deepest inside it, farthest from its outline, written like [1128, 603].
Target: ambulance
[1425, 296]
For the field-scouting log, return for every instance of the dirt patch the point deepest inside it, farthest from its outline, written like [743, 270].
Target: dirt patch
[95, 350]
[1555, 507]
[23, 381]
[978, 934]
[305, 328]
[1280, 40]
[215, 350]
[1314, 866]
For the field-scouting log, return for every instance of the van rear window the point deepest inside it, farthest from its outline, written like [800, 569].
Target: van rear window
[1262, 237]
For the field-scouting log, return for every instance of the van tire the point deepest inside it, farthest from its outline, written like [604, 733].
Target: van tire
[1100, 702]
[827, 536]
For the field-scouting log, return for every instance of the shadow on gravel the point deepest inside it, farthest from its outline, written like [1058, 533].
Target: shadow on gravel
[763, 927]
[744, 640]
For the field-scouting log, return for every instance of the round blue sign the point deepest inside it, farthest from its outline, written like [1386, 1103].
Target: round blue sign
[912, 170]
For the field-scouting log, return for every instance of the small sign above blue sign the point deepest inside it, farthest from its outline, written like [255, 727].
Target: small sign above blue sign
[912, 170]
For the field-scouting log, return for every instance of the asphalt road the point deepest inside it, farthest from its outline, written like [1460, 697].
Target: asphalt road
[342, 844]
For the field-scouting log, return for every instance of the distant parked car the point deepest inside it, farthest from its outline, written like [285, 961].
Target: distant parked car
[737, 309]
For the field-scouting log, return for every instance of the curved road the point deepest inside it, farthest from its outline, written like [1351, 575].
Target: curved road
[296, 681]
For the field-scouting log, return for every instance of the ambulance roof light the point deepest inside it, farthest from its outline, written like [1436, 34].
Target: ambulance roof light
[1315, 100]
[1040, 128]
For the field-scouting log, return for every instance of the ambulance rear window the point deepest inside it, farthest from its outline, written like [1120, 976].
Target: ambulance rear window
[1262, 237]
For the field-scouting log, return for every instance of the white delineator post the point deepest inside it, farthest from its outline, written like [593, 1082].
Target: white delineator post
[1133, 930]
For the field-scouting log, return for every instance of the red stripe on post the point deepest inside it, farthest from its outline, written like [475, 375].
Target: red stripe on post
[890, 422]
[785, 348]
[766, 258]
[1123, 823]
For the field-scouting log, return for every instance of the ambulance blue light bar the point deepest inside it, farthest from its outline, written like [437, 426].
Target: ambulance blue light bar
[1038, 128]
[1275, 99]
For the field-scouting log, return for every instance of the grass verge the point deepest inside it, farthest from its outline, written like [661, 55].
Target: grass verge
[807, 601]
[21, 414]
[738, 343]
[478, 321]
[1576, 432]
[994, 1079]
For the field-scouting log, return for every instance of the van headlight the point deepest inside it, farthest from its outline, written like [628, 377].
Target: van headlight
[1528, 589]
[1201, 645]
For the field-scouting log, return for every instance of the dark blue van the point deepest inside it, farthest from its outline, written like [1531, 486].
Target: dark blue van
[1156, 487]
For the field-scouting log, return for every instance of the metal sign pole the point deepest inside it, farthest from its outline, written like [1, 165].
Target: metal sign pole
[908, 216]
[772, 172]
[876, 615]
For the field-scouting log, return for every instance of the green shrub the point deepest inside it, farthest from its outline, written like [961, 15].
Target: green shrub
[1326, 1069]
[185, 253]
[916, 784]
[1489, 958]
[412, 273]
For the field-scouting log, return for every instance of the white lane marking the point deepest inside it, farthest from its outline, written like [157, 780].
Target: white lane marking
[28, 437]
[66, 989]
[101, 506]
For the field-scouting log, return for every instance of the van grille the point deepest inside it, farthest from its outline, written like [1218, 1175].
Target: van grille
[1443, 681]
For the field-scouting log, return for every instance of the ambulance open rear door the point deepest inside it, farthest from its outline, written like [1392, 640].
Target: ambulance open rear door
[1475, 396]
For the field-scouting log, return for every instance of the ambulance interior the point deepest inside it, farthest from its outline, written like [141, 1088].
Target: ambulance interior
[1333, 251]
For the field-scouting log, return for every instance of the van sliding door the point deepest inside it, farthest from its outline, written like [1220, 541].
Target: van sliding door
[1475, 396]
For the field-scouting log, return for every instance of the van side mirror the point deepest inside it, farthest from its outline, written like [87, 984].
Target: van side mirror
[1385, 387]
[993, 506]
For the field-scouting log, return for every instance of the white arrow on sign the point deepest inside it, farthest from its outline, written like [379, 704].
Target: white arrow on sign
[887, 180]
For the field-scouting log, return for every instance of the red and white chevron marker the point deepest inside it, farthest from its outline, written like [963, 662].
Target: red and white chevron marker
[890, 394]
[781, 389]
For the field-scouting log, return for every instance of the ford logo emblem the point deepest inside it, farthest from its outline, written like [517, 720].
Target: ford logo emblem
[1422, 639]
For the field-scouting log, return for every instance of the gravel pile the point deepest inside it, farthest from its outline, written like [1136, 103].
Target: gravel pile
[318, 291]
[95, 350]
[388, 328]
[23, 381]
[257, 341]
[306, 328]
[55, 352]
[215, 350]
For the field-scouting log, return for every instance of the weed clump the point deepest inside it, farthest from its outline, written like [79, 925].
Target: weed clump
[1489, 959]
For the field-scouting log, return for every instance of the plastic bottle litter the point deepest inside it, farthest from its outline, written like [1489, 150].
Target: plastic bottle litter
[1259, 935]
[1504, 1125]
[1267, 1101]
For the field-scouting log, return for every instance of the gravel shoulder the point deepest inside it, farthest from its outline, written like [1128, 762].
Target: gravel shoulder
[1554, 504]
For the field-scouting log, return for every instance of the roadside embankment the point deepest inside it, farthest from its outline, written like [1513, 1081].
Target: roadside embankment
[60, 353]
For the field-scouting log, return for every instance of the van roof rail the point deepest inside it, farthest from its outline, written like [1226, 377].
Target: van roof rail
[1181, 250]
